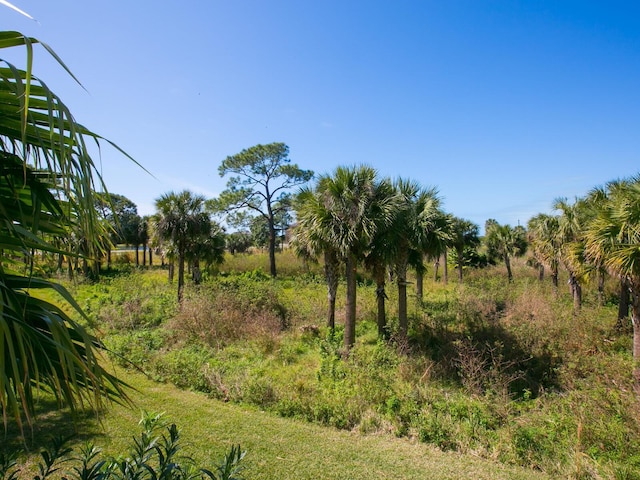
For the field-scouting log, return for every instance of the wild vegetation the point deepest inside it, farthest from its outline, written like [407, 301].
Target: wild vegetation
[503, 365]
[506, 371]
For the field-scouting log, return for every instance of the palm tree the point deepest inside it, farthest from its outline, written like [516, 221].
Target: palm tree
[415, 231]
[544, 240]
[505, 242]
[180, 216]
[571, 226]
[207, 246]
[379, 256]
[310, 243]
[47, 181]
[464, 235]
[349, 211]
[613, 239]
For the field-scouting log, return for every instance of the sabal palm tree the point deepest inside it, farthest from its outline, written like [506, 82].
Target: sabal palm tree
[380, 254]
[505, 242]
[47, 181]
[613, 238]
[544, 240]
[349, 213]
[208, 247]
[179, 217]
[415, 231]
[310, 243]
[464, 234]
[571, 230]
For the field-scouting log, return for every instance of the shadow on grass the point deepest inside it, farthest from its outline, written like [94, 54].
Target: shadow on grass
[50, 423]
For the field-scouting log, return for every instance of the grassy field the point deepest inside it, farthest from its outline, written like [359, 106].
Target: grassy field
[277, 448]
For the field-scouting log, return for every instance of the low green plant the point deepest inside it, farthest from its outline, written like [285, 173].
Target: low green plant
[153, 456]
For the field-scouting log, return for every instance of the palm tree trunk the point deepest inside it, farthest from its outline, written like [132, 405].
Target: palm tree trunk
[196, 272]
[436, 266]
[507, 263]
[459, 254]
[150, 257]
[601, 274]
[541, 272]
[403, 321]
[350, 314]
[554, 279]
[331, 277]
[623, 304]
[137, 256]
[381, 296]
[180, 276]
[445, 267]
[419, 284]
[60, 262]
[576, 292]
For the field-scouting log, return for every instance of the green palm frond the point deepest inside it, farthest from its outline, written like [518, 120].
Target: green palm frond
[47, 183]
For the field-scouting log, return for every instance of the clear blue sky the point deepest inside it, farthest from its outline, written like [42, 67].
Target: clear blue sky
[503, 106]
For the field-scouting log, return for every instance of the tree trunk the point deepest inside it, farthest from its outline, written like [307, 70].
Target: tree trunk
[601, 274]
[623, 304]
[196, 272]
[144, 254]
[419, 284]
[137, 257]
[507, 263]
[331, 277]
[541, 272]
[403, 321]
[109, 257]
[436, 266]
[576, 291]
[172, 267]
[381, 296]
[445, 267]
[554, 279]
[459, 255]
[150, 257]
[180, 276]
[272, 247]
[350, 314]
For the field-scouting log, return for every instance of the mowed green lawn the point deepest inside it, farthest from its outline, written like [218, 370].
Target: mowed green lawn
[279, 448]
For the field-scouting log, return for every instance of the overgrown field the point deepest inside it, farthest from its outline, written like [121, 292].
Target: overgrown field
[497, 370]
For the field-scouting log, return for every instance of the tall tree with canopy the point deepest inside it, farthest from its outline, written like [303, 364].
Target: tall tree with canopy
[179, 218]
[613, 239]
[418, 227]
[263, 176]
[310, 242]
[47, 182]
[571, 230]
[346, 211]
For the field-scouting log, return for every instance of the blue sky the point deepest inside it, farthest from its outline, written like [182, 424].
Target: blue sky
[503, 106]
